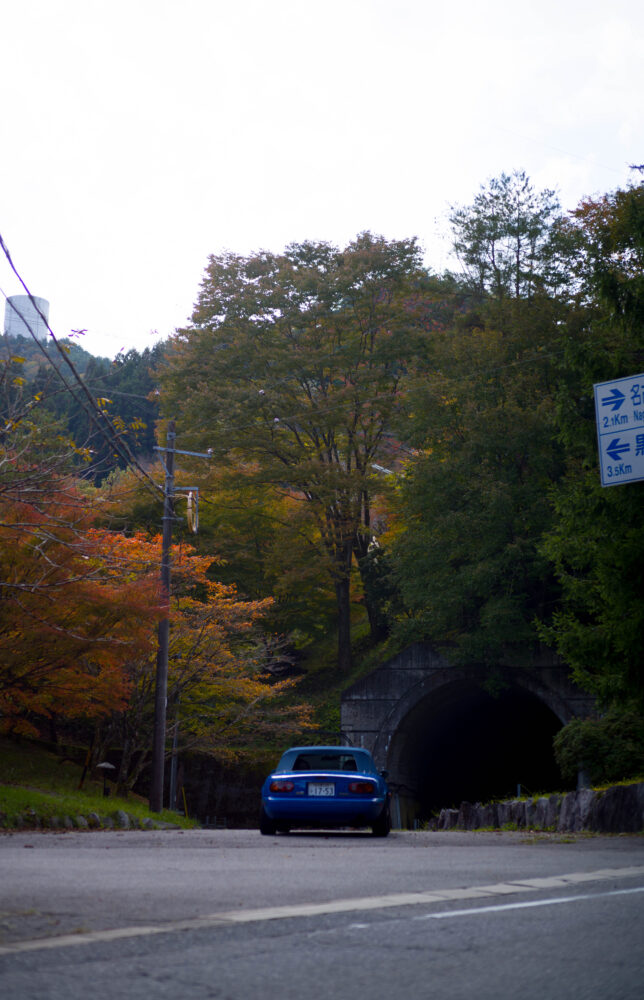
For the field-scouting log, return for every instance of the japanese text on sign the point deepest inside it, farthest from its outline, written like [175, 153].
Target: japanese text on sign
[619, 409]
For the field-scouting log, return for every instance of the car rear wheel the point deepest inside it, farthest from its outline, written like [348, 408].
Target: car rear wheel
[266, 824]
[381, 826]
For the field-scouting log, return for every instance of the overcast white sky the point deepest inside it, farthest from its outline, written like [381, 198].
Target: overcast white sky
[140, 136]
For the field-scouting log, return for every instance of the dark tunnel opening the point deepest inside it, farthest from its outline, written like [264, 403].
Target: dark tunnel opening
[469, 745]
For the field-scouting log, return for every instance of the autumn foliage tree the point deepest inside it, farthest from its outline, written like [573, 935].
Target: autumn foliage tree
[221, 698]
[79, 604]
[70, 613]
[73, 609]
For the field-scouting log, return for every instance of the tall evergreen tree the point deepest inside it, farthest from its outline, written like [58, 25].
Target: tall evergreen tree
[506, 240]
[472, 505]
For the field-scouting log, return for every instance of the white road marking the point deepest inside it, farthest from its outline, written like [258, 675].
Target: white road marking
[477, 910]
[347, 906]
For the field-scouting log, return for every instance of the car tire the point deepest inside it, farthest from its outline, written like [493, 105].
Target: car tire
[382, 825]
[266, 825]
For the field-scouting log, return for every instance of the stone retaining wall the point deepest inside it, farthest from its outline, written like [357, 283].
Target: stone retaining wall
[619, 809]
[117, 820]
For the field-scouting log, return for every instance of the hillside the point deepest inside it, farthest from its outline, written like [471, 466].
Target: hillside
[37, 353]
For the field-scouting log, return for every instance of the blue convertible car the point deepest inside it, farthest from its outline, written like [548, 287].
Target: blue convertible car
[325, 787]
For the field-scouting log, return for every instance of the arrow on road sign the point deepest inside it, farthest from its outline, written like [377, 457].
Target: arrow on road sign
[616, 450]
[614, 400]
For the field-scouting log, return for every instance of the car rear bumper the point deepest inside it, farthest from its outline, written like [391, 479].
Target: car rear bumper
[323, 812]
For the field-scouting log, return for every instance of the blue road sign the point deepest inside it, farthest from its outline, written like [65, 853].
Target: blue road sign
[619, 409]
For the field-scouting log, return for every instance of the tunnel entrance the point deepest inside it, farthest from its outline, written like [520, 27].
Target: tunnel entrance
[465, 744]
[445, 738]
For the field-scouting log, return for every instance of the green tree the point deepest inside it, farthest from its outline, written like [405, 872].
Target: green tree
[506, 240]
[127, 392]
[597, 542]
[124, 388]
[293, 372]
[264, 540]
[608, 749]
[472, 504]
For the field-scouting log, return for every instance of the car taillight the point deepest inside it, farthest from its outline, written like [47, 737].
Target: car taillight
[282, 786]
[362, 787]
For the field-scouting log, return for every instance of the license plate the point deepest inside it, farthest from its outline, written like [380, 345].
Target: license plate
[321, 789]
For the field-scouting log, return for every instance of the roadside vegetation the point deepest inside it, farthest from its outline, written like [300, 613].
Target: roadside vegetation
[38, 785]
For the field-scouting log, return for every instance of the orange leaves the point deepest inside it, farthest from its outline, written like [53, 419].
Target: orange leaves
[79, 609]
[218, 691]
[75, 604]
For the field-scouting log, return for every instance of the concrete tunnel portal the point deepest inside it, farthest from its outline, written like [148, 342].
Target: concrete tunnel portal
[445, 735]
[469, 745]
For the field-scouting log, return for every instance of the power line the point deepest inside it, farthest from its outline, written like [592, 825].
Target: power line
[100, 419]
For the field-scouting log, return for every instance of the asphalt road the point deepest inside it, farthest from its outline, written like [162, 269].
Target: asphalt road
[230, 914]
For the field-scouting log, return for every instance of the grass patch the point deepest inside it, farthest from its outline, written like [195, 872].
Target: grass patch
[618, 784]
[37, 784]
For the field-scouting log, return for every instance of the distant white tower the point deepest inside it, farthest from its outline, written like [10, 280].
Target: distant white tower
[20, 315]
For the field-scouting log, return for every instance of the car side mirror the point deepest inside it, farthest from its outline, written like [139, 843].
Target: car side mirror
[384, 773]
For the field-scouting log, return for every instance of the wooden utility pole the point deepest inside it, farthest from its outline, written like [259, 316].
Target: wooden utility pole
[161, 691]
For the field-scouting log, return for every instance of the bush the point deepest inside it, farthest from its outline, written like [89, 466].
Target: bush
[610, 748]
